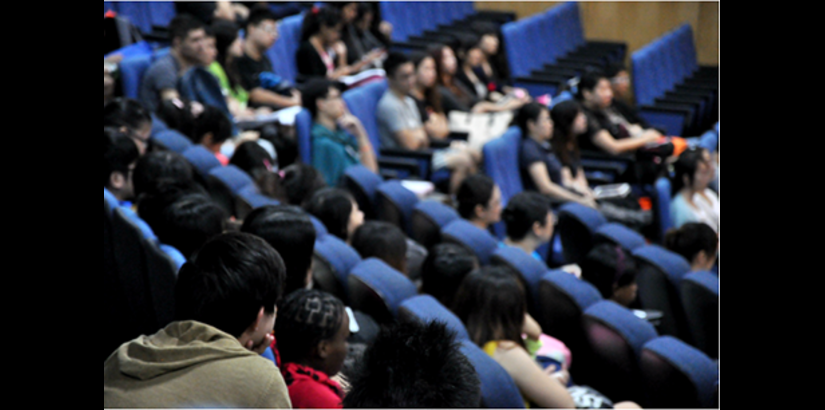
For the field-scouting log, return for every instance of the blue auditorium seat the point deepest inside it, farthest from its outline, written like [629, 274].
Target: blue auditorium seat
[700, 298]
[476, 240]
[677, 375]
[660, 278]
[498, 389]
[173, 141]
[577, 227]
[110, 200]
[233, 177]
[255, 199]
[426, 309]
[620, 235]
[378, 290]
[203, 160]
[529, 269]
[303, 131]
[363, 185]
[131, 74]
[320, 228]
[395, 204]
[563, 299]
[662, 199]
[282, 54]
[334, 260]
[428, 219]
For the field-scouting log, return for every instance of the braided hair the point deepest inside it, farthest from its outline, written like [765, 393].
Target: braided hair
[305, 319]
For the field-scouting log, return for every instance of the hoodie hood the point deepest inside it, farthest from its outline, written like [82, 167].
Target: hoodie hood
[179, 346]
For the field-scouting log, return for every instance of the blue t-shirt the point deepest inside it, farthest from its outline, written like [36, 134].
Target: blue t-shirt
[333, 152]
[162, 75]
[533, 152]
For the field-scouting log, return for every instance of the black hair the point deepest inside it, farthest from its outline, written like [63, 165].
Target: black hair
[445, 268]
[227, 284]
[393, 62]
[589, 81]
[301, 182]
[432, 95]
[155, 167]
[185, 222]
[290, 231]
[383, 241]
[691, 239]
[364, 8]
[564, 116]
[305, 319]
[258, 15]
[124, 112]
[613, 69]
[414, 365]
[608, 266]
[182, 25]
[213, 120]
[491, 303]
[523, 211]
[474, 191]
[119, 152]
[527, 113]
[315, 90]
[252, 159]
[226, 32]
[333, 207]
[686, 165]
[177, 115]
[315, 18]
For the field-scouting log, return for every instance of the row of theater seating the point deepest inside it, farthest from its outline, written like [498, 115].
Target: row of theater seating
[143, 15]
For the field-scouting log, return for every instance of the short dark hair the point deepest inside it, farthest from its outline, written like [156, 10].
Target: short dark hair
[213, 121]
[119, 151]
[474, 191]
[290, 231]
[227, 284]
[177, 115]
[258, 15]
[252, 159]
[527, 113]
[155, 167]
[182, 220]
[301, 182]
[317, 89]
[686, 165]
[182, 25]
[489, 301]
[445, 268]
[413, 365]
[305, 319]
[691, 239]
[395, 60]
[314, 19]
[589, 81]
[333, 207]
[383, 241]
[564, 116]
[607, 266]
[124, 112]
[523, 211]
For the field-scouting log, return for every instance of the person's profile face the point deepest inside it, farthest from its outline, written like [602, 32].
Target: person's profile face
[210, 51]
[404, 78]
[490, 45]
[338, 349]
[193, 46]
[604, 94]
[494, 208]
[543, 127]
[426, 74]
[356, 220]
[266, 34]
[333, 105]
[475, 57]
[450, 61]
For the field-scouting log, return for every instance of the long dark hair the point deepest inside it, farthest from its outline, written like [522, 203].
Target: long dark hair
[431, 95]
[437, 53]
[491, 303]
[530, 112]
[564, 117]
[686, 166]
[226, 33]
[315, 18]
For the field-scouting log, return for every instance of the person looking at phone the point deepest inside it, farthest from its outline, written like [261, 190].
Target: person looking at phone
[339, 140]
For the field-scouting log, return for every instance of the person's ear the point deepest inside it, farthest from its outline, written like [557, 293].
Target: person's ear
[117, 180]
[701, 259]
[537, 229]
[479, 211]
[259, 320]
[323, 349]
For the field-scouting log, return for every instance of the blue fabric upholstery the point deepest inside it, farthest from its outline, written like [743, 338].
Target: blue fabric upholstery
[401, 200]
[158, 125]
[283, 53]
[590, 217]
[501, 163]
[303, 130]
[698, 368]
[233, 177]
[623, 236]
[131, 74]
[673, 265]
[144, 14]
[577, 228]
[320, 228]
[363, 184]
[439, 213]
[363, 103]
[530, 269]
[341, 257]
[139, 49]
[662, 210]
[479, 241]
[707, 280]
[710, 141]
[390, 285]
[428, 219]
[203, 160]
[174, 141]
[145, 230]
[174, 254]
[110, 200]
[498, 389]
[635, 331]
[581, 292]
[426, 309]
[253, 197]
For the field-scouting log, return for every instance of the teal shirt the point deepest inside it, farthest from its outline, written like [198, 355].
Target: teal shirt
[333, 152]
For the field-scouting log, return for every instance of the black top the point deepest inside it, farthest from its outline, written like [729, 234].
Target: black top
[310, 63]
[250, 71]
[533, 152]
[451, 102]
[596, 122]
[422, 109]
[629, 113]
[201, 10]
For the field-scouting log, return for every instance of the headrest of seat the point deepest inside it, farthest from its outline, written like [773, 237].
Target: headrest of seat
[392, 286]
[481, 242]
[672, 264]
[635, 331]
[694, 364]
[582, 292]
[427, 309]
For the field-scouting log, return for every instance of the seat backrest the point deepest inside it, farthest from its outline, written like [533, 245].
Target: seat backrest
[320, 228]
[173, 141]
[620, 235]
[161, 276]
[428, 219]
[303, 131]
[660, 278]
[109, 201]
[528, 269]
[662, 200]
[203, 160]
[128, 242]
[252, 195]
[700, 298]
[283, 53]
[501, 163]
[498, 389]
[363, 185]
[395, 204]
[378, 290]
[476, 240]
[334, 260]
[563, 299]
[131, 74]
[677, 376]
[363, 103]
[577, 227]
[426, 309]
[233, 177]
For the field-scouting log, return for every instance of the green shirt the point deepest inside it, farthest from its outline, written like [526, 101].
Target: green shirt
[333, 152]
[238, 93]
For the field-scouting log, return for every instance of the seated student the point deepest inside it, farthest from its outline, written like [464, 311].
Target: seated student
[541, 169]
[622, 96]
[266, 89]
[339, 140]
[613, 272]
[400, 124]
[530, 222]
[130, 118]
[229, 46]
[413, 365]
[160, 82]
[160, 167]
[212, 130]
[338, 211]
[428, 98]
[312, 332]
[570, 122]
[322, 54]
[383, 241]
[362, 44]
[697, 243]
[300, 183]
[475, 79]
[180, 115]
[607, 130]
[120, 155]
[226, 303]
[444, 270]
[290, 232]
[479, 201]
[693, 200]
[494, 63]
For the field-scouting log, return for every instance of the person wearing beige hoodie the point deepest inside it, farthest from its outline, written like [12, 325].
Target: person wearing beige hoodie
[210, 357]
